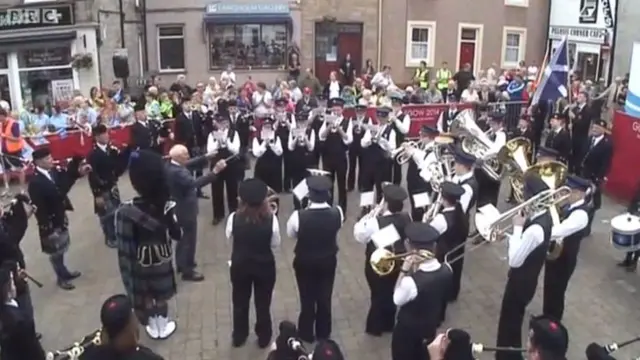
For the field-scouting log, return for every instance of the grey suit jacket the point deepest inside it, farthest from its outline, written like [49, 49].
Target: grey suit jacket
[183, 187]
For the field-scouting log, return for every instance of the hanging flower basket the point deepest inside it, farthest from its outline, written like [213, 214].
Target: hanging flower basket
[82, 61]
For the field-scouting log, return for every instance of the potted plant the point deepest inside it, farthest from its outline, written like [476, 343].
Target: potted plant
[82, 61]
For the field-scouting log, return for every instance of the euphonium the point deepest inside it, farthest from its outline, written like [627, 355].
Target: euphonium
[476, 142]
[515, 155]
[383, 261]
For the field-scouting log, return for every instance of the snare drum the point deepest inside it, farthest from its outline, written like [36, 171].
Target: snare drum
[625, 232]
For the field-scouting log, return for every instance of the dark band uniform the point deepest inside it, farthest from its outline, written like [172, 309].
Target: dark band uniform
[488, 188]
[241, 121]
[107, 164]
[316, 230]
[301, 154]
[452, 227]
[283, 129]
[419, 296]
[269, 157]
[575, 218]
[190, 131]
[145, 134]
[373, 233]
[228, 145]
[527, 252]
[334, 152]
[253, 266]
[560, 140]
[596, 164]
[416, 184]
[446, 117]
[356, 159]
[548, 338]
[401, 123]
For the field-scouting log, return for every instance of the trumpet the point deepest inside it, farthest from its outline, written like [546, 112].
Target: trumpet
[405, 152]
[272, 199]
[300, 135]
[383, 261]
[378, 209]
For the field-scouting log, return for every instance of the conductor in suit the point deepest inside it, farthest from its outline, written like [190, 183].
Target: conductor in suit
[559, 138]
[183, 188]
[596, 162]
[189, 131]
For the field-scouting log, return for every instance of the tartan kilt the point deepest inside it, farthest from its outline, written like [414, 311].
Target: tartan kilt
[156, 282]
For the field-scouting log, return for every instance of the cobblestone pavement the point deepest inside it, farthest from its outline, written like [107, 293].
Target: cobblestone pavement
[602, 299]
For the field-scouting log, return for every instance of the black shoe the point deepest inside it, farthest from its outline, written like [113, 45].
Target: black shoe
[624, 263]
[238, 342]
[192, 276]
[632, 267]
[202, 196]
[111, 244]
[215, 222]
[264, 342]
[38, 336]
[73, 275]
[65, 285]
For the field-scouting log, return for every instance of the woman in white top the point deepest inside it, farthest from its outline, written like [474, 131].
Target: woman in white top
[470, 94]
[211, 92]
[333, 88]
[262, 99]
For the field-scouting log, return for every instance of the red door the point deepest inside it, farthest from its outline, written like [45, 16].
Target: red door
[467, 54]
[350, 43]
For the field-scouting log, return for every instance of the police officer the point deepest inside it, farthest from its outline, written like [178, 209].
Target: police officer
[316, 230]
[254, 233]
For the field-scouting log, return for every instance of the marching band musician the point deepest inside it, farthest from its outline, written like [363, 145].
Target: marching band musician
[419, 293]
[547, 339]
[254, 233]
[546, 154]
[401, 122]
[559, 138]
[226, 142]
[190, 131]
[570, 233]
[301, 144]
[241, 122]
[316, 230]
[447, 116]
[283, 123]
[48, 190]
[377, 147]
[267, 148]
[145, 227]
[415, 183]
[596, 163]
[524, 130]
[108, 164]
[382, 311]
[360, 122]
[336, 138]
[144, 134]
[488, 188]
[526, 255]
[463, 170]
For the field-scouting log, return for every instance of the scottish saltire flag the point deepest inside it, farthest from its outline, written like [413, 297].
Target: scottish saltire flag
[554, 80]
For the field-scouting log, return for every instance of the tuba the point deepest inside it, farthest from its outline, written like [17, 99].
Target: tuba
[515, 155]
[383, 261]
[75, 351]
[476, 142]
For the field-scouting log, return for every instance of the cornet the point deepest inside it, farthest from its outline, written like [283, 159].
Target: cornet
[405, 152]
[378, 209]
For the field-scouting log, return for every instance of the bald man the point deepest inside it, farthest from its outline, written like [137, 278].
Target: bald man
[184, 188]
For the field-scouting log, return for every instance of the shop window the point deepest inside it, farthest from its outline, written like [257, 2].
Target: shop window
[261, 46]
[46, 57]
[171, 48]
[46, 87]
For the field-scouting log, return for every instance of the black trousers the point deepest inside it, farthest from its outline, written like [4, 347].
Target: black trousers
[396, 173]
[597, 204]
[245, 278]
[355, 162]
[375, 173]
[556, 279]
[515, 300]
[337, 169]
[287, 179]
[228, 179]
[382, 311]
[408, 343]
[315, 287]
[631, 257]
[186, 247]
[488, 189]
[577, 153]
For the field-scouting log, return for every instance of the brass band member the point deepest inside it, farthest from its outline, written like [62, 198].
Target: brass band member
[382, 311]
[377, 145]
[596, 163]
[401, 123]
[254, 233]
[336, 138]
[283, 123]
[225, 142]
[559, 138]
[527, 252]
[489, 189]
[446, 116]
[267, 148]
[108, 164]
[451, 224]
[48, 191]
[360, 122]
[570, 233]
[546, 154]
[241, 122]
[301, 144]
[145, 227]
[190, 131]
[316, 230]
[548, 339]
[419, 293]
[524, 130]
[415, 183]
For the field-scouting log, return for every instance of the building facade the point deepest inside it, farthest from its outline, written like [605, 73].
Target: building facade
[628, 17]
[589, 26]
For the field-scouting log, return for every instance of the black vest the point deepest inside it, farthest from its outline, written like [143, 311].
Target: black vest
[224, 152]
[447, 119]
[375, 152]
[571, 244]
[318, 233]
[415, 183]
[358, 131]
[455, 234]
[423, 313]
[269, 157]
[251, 241]
[474, 186]
[400, 221]
[283, 132]
[334, 147]
[301, 157]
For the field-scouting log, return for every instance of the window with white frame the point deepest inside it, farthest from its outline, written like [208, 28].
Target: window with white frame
[513, 47]
[171, 48]
[420, 45]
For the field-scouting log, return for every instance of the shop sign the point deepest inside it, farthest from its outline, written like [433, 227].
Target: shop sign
[260, 8]
[588, 21]
[579, 34]
[36, 17]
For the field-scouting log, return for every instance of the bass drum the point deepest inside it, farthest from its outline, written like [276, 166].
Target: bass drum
[625, 232]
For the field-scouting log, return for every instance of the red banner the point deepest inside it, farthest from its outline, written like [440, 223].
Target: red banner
[624, 174]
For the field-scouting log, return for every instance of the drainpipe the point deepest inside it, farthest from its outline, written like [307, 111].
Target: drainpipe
[614, 40]
[379, 54]
[122, 41]
[547, 47]
[145, 52]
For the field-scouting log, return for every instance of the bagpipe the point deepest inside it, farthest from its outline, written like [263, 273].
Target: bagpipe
[288, 345]
[596, 351]
[78, 349]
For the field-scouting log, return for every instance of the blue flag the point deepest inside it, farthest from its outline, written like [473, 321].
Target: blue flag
[554, 80]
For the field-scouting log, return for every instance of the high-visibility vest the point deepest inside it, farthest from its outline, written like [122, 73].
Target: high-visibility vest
[423, 78]
[443, 76]
[12, 146]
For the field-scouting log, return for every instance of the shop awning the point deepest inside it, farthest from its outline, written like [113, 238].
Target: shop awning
[259, 13]
[35, 40]
[226, 19]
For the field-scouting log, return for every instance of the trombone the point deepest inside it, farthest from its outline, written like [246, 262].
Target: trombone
[383, 261]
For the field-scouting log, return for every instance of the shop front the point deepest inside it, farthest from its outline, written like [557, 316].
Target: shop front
[44, 56]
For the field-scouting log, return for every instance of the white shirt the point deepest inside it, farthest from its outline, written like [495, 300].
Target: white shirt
[499, 142]
[259, 149]
[102, 147]
[522, 243]
[596, 140]
[576, 221]
[275, 231]
[440, 124]
[45, 173]
[403, 126]
[364, 228]
[334, 90]
[439, 222]
[294, 220]
[380, 80]
[311, 141]
[12, 302]
[407, 289]
[229, 75]
[323, 132]
[387, 145]
[469, 96]
[423, 159]
[465, 199]
[262, 102]
[532, 72]
[215, 145]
